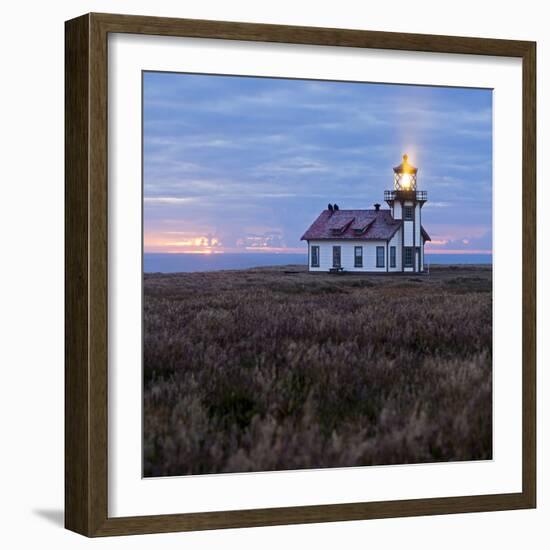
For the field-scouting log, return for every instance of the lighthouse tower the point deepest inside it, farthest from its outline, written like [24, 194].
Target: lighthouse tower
[406, 204]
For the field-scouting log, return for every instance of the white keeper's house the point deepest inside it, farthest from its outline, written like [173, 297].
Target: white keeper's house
[374, 240]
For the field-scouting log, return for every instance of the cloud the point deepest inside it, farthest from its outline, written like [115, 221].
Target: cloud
[432, 204]
[268, 240]
[294, 165]
[225, 153]
[168, 200]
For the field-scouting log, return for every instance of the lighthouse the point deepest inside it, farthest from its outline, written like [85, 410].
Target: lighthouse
[406, 202]
[372, 240]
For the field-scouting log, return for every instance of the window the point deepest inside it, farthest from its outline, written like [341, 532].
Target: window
[314, 256]
[408, 212]
[336, 256]
[358, 256]
[379, 256]
[408, 260]
[392, 256]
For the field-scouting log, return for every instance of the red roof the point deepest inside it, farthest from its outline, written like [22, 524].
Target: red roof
[353, 224]
[358, 225]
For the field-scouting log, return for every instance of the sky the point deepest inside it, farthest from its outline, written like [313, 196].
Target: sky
[245, 164]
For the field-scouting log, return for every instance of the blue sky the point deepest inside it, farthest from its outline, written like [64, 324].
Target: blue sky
[240, 164]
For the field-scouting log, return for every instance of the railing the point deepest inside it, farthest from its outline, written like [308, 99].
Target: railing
[420, 196]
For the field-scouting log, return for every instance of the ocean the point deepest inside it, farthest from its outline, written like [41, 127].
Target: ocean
[175, 263]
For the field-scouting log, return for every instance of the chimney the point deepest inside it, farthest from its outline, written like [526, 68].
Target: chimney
[377, 207]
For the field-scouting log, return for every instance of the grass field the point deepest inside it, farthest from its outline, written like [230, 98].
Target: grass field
[276, 368]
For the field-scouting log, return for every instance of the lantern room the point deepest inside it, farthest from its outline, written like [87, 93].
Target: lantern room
[404, 176]
[405, 184]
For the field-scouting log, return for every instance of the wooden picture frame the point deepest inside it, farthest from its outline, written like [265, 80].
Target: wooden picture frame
[86, 283]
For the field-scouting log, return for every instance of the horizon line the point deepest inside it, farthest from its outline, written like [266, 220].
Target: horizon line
[208, 252]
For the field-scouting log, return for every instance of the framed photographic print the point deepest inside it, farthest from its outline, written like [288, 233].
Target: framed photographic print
[300, 274]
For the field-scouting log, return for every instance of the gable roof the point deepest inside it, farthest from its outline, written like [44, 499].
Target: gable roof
[362, 225]
[353, 224]
[424, 234]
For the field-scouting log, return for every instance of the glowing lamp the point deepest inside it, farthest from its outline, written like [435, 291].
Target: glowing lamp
[404, 176]
[405, 181]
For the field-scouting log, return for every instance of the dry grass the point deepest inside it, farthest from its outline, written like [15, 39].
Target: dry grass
[260, 369]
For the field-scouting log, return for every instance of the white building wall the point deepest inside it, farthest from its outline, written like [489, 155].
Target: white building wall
[396, 210]
[408, 232]
[408, 227]
[395, 241]
[348, 255]
[417, 239]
